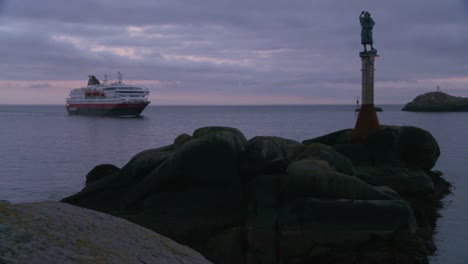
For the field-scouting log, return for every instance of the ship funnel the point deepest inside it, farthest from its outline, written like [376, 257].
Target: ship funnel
[93, 80]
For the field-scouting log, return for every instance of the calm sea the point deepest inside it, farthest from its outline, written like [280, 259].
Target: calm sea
[45, 154]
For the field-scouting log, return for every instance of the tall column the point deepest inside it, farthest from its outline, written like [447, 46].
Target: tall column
[367, 120]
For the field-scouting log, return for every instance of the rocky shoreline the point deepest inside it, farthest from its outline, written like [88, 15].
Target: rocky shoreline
[276, 200]
[437, 102]
[263, 200]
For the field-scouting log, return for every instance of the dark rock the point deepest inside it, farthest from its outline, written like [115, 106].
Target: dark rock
[109, 193]
[192, 194]
[389, 191]
[418, 148]
[264, 204]
[267, 155]
[309, 224]
[215, 130]
[336, 160]
[227, 246]
[404, 181]
[358, 154]
[208, 161]
[390, 146]
[192, 217]
[437, 102]
[383, 147]
[181, 139]
[99, 172]
[404, 146]
[442, 187]
[143, 163]
[264, 192]
[285, 231]
[314, 178]
[328, 139]
[274, 200]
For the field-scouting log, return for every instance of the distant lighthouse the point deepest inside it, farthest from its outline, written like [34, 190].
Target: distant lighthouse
[367, 120]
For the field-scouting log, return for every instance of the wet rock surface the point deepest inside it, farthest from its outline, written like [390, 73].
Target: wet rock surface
[275, 200]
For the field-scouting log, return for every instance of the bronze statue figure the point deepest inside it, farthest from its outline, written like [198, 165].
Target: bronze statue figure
[367, 23]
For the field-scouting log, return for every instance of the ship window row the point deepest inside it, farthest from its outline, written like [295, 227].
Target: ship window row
[133, 92]
[126, 88]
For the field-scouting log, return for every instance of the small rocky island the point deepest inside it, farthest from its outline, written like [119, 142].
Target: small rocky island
[437, 102]
[275, 200]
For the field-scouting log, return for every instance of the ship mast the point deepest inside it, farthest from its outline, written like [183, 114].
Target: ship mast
[119, 76]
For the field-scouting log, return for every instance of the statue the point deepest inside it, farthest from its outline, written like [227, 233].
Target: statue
[367, 23]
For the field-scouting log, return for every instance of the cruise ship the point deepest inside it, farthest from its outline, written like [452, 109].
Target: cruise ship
[103, 99]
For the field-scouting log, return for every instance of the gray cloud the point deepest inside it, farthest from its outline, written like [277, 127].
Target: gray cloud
[306, 48]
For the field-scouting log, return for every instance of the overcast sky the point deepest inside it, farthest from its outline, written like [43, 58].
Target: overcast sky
[232, 52]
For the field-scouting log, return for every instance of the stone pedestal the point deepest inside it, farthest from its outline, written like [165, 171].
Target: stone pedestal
[367, 120]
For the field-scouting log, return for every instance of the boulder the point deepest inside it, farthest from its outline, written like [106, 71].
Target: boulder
[331, 139]
[51, 232]
[291, 231]
[99, 172]
[390, 146]
[403, 180]
[311, 224]
[335, 160]
[196, 194]
[358, 154]
[266, 155]
[262, 238]
[208, 161]
[389, 191]
[108, 194]
[143, 163]
[264, 204]
[274, 200]
[236, 135]
[192, 193]
[195, 217]
[418, 148]
[181, 139]
[228, 246]
[314, 178]
[383, 147]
